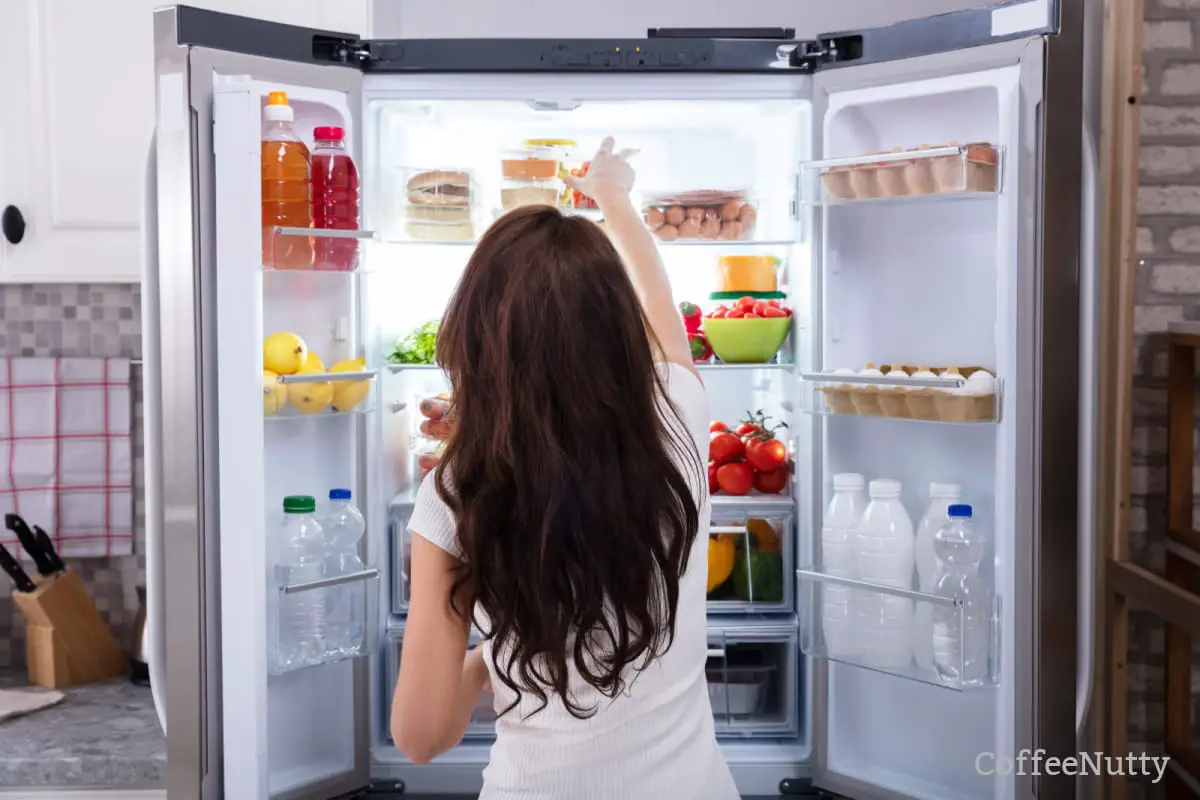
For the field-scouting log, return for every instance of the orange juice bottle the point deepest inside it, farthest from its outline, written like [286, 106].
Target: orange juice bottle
[286, 173]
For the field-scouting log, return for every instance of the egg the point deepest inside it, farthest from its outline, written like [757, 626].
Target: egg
[696, 213]
[655, 218]
[668, 233]
[712, 213]
[689, 228]
[675, 215]
[730, 231]
[710, 228]
[729, 211]
[747, 216]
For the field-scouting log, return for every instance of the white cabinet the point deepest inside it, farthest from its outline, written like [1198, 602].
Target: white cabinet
[76, 116]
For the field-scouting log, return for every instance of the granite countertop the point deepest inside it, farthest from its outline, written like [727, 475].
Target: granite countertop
[101, 735]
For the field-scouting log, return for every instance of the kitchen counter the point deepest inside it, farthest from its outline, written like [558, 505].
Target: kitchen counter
[103, 735]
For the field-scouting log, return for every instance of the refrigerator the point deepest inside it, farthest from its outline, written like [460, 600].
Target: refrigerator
[927, 191]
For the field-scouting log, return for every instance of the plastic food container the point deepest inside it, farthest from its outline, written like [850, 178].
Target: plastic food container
[531, 163]
[566, 161]
[747, 341]
[514, 194]
[713, 215]
[738, 691]
[436, 203]
[747, 273]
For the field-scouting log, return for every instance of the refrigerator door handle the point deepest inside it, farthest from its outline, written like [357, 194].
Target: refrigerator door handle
[155, 636]
[1085, 638]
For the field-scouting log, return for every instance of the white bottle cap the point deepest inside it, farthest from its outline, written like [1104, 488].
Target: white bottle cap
[278, 114]
[848, 480]
[885, 488]
[945, 491]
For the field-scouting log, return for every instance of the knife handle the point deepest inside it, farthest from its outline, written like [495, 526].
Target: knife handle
[53, 562]
[10, 566]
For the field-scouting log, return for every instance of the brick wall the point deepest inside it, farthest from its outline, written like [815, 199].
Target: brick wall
[1168, 288]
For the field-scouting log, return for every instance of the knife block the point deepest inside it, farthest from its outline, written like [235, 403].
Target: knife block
[67, 641]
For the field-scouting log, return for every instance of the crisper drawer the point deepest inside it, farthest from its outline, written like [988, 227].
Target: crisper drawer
[401, 544]
[750, 558]
[483, 718]
[754, 681]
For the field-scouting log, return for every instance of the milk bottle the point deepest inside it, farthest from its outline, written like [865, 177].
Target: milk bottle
[839, 532]
[884, 555]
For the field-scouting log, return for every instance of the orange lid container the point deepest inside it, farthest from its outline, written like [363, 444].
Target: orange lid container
[747, 273]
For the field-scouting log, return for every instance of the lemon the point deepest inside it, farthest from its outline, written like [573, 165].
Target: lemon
[275, 394]
[347, 395]
[284, 353]
[314, 361]
[310, 398]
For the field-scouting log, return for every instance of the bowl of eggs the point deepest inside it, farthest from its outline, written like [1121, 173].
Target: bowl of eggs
[706, 215]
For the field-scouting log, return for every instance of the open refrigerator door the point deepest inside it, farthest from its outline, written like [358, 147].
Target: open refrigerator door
[927, 203]
[296, 399]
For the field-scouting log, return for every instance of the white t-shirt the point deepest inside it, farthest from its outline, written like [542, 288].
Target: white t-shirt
[654, 741]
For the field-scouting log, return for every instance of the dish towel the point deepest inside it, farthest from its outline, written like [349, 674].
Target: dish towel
[66, 460]
[17, 702]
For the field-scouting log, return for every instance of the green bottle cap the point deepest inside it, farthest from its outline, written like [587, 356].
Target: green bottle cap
[299, 504]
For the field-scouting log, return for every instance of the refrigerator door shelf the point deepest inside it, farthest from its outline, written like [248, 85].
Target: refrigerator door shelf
[970, 667]
[333, 251]
[950, 172]
[318, 395]
[365, 583]
[938, 400]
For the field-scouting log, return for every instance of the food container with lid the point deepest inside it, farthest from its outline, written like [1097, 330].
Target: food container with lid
[531, 163]
[434, 204]
[708, 214]
[747, 273]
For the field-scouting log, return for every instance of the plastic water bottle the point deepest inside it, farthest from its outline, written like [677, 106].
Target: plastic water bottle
[941, 497]
[839, 532]
[344, 527]
[301, 559]
[961, 633]
[885, 557]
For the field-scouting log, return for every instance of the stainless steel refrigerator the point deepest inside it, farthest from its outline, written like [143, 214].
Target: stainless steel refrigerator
[926, 193]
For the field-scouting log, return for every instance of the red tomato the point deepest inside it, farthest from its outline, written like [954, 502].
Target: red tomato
[773, 312]
[736, 313]
[771, 482]
[766, 455]
[746, 428]
[760, 307]
[712, 477]
[787, 312]
[751, 315]
[735, 478]
[722, 307]
[773, 303]
[718, 314]
[724, 446]
[745, 302]
[716, 426]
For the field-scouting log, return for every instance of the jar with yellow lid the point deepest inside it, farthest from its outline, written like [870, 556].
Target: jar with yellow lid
[747, 273]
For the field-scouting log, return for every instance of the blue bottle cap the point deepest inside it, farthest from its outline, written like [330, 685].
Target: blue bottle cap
[339, 494]
[961, 510]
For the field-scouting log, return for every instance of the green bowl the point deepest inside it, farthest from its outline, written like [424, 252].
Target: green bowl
[747, 341]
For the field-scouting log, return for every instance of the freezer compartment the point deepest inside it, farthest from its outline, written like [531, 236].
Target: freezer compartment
[918, 393]
[754, 681]
[345, 609]
[303, 250]
[345, 389]
[750, 556]
[952, 170]
[483, 718]
[951, 642]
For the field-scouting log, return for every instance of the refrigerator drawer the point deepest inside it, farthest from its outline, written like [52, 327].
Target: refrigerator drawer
[754, 682]
[483, 718]
[946, 642]
[750, 556]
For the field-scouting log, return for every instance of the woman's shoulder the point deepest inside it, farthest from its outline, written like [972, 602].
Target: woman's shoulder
[686, 393]
[432, 519]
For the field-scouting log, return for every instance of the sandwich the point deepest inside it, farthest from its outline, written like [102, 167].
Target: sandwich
[439, 207]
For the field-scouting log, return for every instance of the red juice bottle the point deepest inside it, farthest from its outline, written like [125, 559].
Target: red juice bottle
[334, 200]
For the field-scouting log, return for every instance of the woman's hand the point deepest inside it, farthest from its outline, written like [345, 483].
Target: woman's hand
[609, 177]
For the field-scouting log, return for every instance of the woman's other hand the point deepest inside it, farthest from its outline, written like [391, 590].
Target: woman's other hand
[609, 177]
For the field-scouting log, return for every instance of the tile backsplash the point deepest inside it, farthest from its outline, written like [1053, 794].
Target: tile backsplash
[84, 320]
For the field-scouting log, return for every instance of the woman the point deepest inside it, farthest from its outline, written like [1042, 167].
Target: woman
[568, 518]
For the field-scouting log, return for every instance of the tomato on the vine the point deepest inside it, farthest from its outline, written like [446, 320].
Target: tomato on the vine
[724, 446]
[712, 477]
[717, 426]
[771, 482]
[735, 478]
[765, 455]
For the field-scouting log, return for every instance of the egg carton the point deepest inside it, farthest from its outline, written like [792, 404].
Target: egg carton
[947, 169]
[915, 402]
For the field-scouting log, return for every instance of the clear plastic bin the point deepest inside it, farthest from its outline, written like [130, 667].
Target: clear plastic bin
[514, 194]
[716, 215]
[435, 205]
[750, 556]
[753, 679]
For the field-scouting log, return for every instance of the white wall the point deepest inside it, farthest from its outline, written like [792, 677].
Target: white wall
[434, 19]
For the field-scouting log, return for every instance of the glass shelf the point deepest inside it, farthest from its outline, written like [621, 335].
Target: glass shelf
[315, 250]
[326, 591]
[721, 366]
[914, 634]
[755, 499]
[395, 368]
[935, 399]
[319, 394]
[934, 173]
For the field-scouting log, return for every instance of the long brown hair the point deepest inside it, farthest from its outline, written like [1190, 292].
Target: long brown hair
[574, 520]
